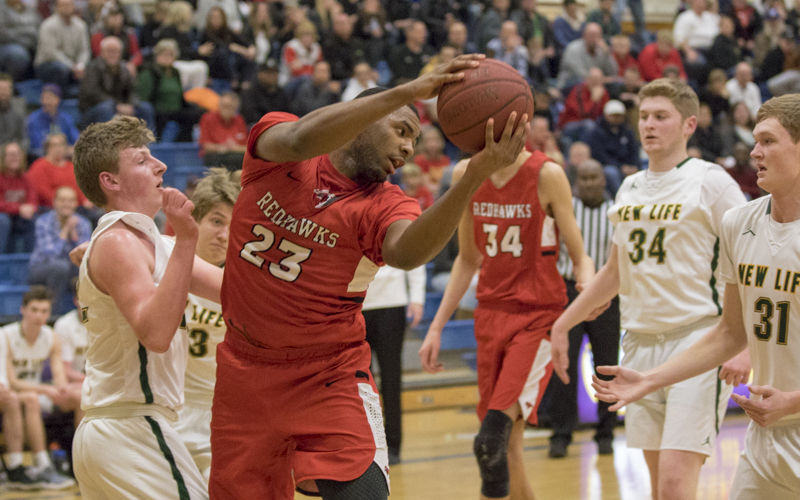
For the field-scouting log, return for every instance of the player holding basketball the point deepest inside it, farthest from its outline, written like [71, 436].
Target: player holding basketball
[295, 404]
[133, 288]
[760, 265]
[663, 263]
[509, 231]
[213, 200]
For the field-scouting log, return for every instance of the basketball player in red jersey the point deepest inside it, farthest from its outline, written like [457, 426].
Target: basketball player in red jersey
[295, 405]
[510, 232]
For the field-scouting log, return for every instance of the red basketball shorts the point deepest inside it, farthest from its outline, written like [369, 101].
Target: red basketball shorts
[284, 418]
[514, 363]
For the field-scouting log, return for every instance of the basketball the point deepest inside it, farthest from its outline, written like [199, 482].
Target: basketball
[492, 90]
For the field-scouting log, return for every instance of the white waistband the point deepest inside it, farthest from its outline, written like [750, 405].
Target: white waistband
[130, 410]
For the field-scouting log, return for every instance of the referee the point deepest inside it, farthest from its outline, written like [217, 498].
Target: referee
[591, 208]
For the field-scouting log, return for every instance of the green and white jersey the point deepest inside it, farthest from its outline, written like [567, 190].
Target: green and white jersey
[206, 329]
[28, 359]
[763, 258]
[118, 368]
[667, 226]
[74, 340]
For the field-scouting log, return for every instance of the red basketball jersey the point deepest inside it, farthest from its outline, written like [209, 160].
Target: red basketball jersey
[519, 243]
[305, 242]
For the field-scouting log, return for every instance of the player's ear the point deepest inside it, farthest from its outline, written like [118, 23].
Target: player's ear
[108, 181]
[690, 125]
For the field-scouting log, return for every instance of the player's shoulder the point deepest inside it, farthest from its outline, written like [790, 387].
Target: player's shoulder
[10, 329]
[748, 213]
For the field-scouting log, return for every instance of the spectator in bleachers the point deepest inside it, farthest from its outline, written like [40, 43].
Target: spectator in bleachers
[30, 342]
[12, 123]
[538, 37]
[694, 31]
[160, 84]
[628, 93]
[775, 61]
[541, 139]
[317, 91]
[58, 232]
[604, 16]
[108, 88]
[508, 47]
[637, 13]
[716, 95]
[19, 28]
[621, 51]
[259, 30]
[725, 52]
[742, 88]
[393, 296]
[656, 56]
[590, 51]
[370, 28]
[583, 106]
[323, 12]
[707, 138]
[223, 134]
[17, 202]
[53, 171]
[177, 26]
[363, 78]
[74, 343]
[231, 57]
[63, 49]
[431, 159]
[113, 19]
[568, 26]
[743, 171]
[491, 22]
[300, 54]
[49, 119]
[91, 12]
[263, 95]
[148, 33]
[578, 153]
[341, 49]
[768, 38]
[438, 15]
[457, 38]
[748, 23]
[412, 181]
[233, 17]
[291, 16]
[741, 128]
[406, 61]
[788, 81]
[614, 145]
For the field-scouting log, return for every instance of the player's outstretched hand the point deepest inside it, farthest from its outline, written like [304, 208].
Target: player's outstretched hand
[736, 370]
[428, 85]
[559, 346]
[626, 387]
[429, 352]
[178, 209]
[773, 406]
[500, 154]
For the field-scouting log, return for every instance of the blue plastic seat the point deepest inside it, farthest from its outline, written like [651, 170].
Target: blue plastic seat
[459, 334]
[178, 177]
[11, 299]
[31, 90]
[184, 154]
[14, 268]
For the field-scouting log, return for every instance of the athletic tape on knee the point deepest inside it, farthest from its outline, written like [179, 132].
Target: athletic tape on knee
[491, 451]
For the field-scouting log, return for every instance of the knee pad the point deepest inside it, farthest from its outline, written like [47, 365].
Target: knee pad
[491, 451]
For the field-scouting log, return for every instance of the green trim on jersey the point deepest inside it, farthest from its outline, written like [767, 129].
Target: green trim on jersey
[679, 165]
[769, 206]
[148, 393]
[717, 401]
[713, 281]
[183, 493]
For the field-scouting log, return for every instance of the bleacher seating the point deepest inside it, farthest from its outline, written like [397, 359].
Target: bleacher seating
[70, 106]
[178, 177]
[459, 334]
[432, 302]
[30, 90]
[178, 154]
[14, 268]
[11, 301]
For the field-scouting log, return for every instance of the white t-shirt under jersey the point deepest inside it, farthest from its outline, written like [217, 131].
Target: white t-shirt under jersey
[762, 257]
[667, 226]
[118, 368]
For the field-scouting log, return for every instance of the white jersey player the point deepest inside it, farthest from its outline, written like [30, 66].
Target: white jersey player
[760, 264]
[132, 288]
[663, 263]
[213, 200]
[74, 342]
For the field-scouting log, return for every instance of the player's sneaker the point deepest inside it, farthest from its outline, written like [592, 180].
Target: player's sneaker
[19, 479]
[50, 479]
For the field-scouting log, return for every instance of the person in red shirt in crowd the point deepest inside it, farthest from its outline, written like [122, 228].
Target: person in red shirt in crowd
[621, 50]
[17, 201]
[295, 405]
[413, 184]
[114, 25]
[301, 53]
[658, 55]
[223, 134]
[432, 160]
[53, 171]
[583, 106]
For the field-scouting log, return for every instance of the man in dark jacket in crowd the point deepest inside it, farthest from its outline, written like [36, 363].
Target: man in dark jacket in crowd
[613, 144]
[264, 95]
[341, 49]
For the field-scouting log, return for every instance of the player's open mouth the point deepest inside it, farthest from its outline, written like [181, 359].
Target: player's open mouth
[397, 163]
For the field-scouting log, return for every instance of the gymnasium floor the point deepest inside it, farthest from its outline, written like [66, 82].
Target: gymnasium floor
[438, 464]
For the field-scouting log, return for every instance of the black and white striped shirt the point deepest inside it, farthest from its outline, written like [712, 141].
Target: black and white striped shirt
[597, 232]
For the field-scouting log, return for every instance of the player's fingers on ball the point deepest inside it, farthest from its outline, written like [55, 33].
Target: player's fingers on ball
[489, 131]
[508, 131]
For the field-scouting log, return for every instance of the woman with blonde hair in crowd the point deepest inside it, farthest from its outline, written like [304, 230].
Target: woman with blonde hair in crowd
[177, 26]
[301, 53]
[260, 31]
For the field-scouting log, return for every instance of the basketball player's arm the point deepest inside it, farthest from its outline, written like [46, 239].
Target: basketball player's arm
[206, 280]
[556, 194]
[119, 265]
[331, 127]
[724, 341]
[467, 263]
[408, 245]
[600, 290]
[56, 364]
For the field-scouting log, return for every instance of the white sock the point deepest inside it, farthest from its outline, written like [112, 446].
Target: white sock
[41, 459]
[14, 460]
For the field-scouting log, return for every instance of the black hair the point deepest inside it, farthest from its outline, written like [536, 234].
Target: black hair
[378, 90]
